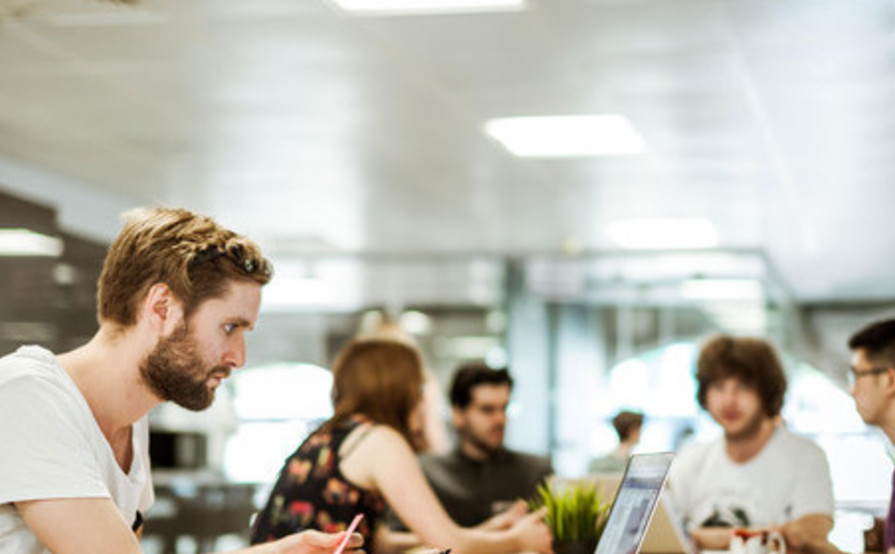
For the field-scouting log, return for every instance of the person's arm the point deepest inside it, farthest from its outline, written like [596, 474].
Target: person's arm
[388, 541]
[95, 526]
[385, 461]
[812, 499]
[808, 529]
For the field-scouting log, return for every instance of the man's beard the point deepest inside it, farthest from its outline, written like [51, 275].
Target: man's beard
[481, 444]
[751, 429]
[174, 371]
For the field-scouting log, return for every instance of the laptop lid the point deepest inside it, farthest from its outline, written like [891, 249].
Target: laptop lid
[634, 503]
[666, 533]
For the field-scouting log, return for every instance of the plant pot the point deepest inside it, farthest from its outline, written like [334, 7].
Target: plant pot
[575, 547]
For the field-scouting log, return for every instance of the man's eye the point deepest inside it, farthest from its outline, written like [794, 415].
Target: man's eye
[229, 328]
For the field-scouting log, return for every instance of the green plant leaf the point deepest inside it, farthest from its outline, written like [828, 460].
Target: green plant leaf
[575, 510]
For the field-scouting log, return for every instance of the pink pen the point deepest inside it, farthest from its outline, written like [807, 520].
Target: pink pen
[348, 533]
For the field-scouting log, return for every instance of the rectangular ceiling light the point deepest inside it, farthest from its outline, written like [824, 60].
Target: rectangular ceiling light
[567, 136]
[423, 7]
[664, 233]
[22, 242]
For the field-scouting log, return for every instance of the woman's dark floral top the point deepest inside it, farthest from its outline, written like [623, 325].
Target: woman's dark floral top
[312, 493]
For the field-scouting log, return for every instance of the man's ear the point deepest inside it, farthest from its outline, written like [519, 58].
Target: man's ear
[890, 381]
[161, 309]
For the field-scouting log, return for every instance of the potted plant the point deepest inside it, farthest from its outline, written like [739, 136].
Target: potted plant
[575, 513]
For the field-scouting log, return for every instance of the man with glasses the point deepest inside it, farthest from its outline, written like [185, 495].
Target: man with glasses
[872, 375]
[872, 382]
[480, 477]
[177, 294]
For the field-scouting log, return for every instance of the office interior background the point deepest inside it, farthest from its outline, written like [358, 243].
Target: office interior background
[583, 190]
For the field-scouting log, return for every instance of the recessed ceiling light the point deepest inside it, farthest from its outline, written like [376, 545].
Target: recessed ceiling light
[22, 242]
[664, 233]
[421, 7]
[566, 136]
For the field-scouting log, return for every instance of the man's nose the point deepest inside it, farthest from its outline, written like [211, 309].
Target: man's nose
[236, 353]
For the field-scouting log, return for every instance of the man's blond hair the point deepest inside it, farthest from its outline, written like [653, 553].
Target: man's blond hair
[190, 253]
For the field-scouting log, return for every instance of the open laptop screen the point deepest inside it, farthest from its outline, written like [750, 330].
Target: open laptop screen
[634, 503]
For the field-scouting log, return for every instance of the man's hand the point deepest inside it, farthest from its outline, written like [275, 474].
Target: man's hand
[807, 531]
[711, 538]
[816, 547]
[507, 518]
[532, 533]
[315, 542]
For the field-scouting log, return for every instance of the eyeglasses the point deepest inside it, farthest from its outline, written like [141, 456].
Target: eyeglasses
[237, 255]
[854, 374]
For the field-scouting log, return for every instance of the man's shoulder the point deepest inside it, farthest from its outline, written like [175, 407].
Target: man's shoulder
[527, 457]
[440, 461]
[791, 444]
[29, 364]
[697, 453]
[701, 447]
[435, 458]
[534, 462]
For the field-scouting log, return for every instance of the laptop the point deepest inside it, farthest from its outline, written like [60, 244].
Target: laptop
[665, 534]
[634, 504]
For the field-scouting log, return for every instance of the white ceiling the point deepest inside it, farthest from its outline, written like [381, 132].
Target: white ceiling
[312, 130]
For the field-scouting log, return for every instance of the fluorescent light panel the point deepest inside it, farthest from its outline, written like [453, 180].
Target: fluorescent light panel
[664, 233]
[567, 136]
[422, 7]
[22, 242]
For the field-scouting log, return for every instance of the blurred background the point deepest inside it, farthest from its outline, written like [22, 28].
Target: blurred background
[583, 190]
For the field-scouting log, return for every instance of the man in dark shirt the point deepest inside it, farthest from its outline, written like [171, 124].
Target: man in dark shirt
[480, 478]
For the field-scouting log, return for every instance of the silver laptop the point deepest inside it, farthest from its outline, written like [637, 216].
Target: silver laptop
[665, 534]
[634, 503]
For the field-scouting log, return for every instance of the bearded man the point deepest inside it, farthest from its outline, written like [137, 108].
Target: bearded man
[758, 475]
[177, 294]
[481, 482]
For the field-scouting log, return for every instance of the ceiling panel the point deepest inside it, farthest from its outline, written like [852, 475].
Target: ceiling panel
[311, 129]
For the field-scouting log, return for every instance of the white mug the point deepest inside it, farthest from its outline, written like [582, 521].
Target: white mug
[744, 541]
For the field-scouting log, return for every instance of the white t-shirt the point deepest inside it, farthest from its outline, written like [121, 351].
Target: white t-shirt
[788, 479]
[52, 447]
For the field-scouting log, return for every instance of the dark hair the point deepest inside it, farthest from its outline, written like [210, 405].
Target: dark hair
[381, 379]
[470, 375]
[751, 360]
[626, 422]
[877, 340]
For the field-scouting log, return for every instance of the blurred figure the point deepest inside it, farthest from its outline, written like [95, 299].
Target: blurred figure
[434, 437]
[177, 295]
[364, 457]
[872, 378]
[872, 374]
[480, 477]
[758, 474]
[628, 426]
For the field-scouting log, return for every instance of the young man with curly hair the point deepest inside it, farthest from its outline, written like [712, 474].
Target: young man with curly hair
[758, 474]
